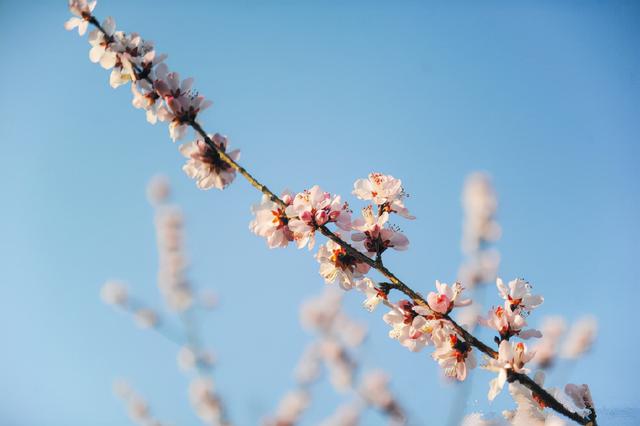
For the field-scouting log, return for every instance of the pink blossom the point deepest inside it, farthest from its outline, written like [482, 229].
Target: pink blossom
[336, 264]
[508, 323]
[271, 221]
[313, 208]
[385, 191]
[518, 294]
[101, 44]
[446, 298]
[205, 165]
[453, 354]
[374, 236]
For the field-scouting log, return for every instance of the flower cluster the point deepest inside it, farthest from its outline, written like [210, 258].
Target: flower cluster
[158, 91]
[298, 218]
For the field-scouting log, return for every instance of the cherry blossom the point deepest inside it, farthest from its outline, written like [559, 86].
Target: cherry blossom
[313, 208]
[205, 165]
[580, 395]
[518, 294]
[385, 191]
[508, 323]
[511, 356]
[271, 221]
[453, 354]
[82, 10]
[336, 264]
[530, 407]
[373, 294]
[101, 50]
[374, 236]
[410, 328]
[446, 298]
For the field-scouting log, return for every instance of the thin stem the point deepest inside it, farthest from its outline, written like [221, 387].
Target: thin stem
[547, 398]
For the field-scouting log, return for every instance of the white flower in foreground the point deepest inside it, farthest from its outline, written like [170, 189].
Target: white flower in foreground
[145, 97]
[101, 44]
[511, 356]
[82, 10]
[338, 265]
[508, 323]
[373, 294]
[114, 293]
[530, 408]
[518, 294]
[205, 165]
[453, 354]
[580, 338]
[374, 236]
[385, 191]
[409, 326]
[313, 208]
[271, 221]
[446, 298]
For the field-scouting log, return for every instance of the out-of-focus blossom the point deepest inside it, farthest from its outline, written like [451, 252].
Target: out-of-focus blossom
[346, 415]
[477, 419]
[137, 408]
[383, 190]
[205, 165]
[480, 204]
[172, 280]
[271, 221]
[547, 347]
[481, 267]
[580, 338]
[336, 264]
[145, 318]
[158, 190]
[205, 402]
[290, 408]
[114, 293]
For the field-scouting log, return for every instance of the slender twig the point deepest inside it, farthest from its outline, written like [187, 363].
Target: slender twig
[399, 285]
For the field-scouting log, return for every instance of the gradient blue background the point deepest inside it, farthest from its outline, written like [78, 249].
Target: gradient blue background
[543, 95]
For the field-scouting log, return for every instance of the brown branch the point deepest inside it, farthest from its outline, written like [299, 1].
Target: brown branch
[525, 380]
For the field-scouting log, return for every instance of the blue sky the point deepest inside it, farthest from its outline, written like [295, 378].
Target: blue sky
[542, 95]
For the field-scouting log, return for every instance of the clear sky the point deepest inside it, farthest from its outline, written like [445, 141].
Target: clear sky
[543, 95]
